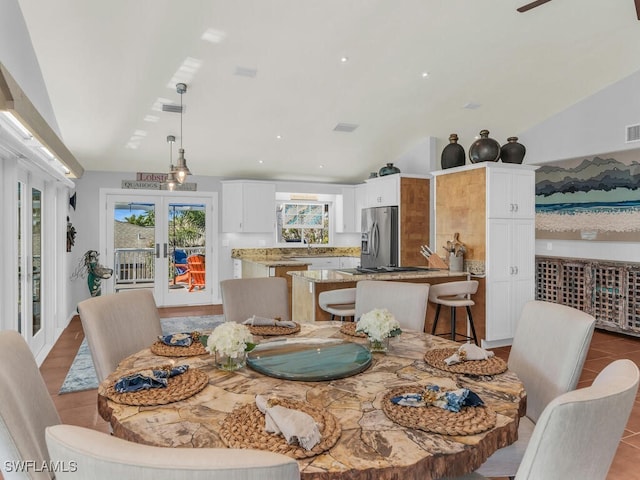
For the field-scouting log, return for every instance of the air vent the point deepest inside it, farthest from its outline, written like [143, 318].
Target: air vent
[173, 108]
[633, 133]
[345, 127]
[246, 72]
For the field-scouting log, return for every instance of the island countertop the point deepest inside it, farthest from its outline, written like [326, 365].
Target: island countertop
[335, 276]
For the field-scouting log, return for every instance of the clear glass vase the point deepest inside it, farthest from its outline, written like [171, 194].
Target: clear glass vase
[228, 363]
[379, 346]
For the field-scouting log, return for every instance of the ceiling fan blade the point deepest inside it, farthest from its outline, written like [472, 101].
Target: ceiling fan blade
[537, 3]
[638, 8]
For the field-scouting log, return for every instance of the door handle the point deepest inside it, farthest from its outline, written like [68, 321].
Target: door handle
[165, 250]
[376, 238]
[157, 250]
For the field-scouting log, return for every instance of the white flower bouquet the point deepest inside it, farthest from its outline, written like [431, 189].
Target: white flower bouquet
[229, 342]
[378, 324]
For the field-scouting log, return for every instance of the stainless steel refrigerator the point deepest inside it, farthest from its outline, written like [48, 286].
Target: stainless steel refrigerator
[379, 243]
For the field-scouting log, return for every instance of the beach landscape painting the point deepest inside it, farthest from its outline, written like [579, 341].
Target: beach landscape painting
[596, 199]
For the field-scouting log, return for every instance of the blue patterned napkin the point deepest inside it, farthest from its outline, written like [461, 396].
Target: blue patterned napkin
[147, 379]
[176, 339]
[433, 395]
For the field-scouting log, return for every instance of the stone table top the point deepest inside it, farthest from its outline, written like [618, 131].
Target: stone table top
[371, 445]
[337, 276]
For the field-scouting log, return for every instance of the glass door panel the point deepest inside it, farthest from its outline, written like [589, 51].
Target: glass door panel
[31, 319]
[187, 247]
[36, 255]
[134, 244]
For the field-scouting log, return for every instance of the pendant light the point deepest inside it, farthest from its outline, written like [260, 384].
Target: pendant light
[181, 169]
[172, 180]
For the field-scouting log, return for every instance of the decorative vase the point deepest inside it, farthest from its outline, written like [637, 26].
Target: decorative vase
[512, 151]
[484, 149]
[379, 346]
[230, 364]
[453, 154]
[388, 170]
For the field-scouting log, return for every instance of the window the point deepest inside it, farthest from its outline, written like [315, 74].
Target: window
[303, 222]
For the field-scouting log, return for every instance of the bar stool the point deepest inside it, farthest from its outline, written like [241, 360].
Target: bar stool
[454, 294]
[341, 302]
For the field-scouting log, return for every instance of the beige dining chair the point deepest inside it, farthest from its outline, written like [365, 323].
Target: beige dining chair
[117, 326]
[406, 301]
[578, 433]
[340, 302]
[265, 297]
[548, 352]
[31, 436]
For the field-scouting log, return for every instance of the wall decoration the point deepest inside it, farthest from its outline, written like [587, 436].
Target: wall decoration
[71, 235]
[589, 199]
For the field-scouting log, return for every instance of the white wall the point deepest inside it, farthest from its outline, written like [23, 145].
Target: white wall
[594, 126]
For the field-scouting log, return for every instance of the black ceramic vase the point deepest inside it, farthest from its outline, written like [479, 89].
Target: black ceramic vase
[452, 154]
[389, 169]
[484, 149]
[512, 151]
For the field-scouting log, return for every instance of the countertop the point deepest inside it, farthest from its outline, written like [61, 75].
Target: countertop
[284, 257]
[334, 276]
[280, 262]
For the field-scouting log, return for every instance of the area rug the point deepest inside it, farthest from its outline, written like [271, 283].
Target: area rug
[82, 374]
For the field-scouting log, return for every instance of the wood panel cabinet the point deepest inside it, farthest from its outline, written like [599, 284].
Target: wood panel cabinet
[492, 207]
[610, 291]
[248, 207]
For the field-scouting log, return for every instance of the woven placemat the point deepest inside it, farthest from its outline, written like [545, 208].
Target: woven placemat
[350, 329]
[244, 428]
[196, 348]
[491, 366]
[178, 388]
[268, 330]
[468, 421]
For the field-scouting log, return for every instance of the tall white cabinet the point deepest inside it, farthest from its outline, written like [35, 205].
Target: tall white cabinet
[492, 207]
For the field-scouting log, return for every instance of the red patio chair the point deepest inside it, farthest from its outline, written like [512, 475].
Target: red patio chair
[196, 272]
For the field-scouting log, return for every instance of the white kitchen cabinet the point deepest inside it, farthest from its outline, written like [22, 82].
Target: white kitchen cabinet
[496, 220]
[320, 263]
[248, 207]
[511, 194]
[349, 262]
[346, 211]
[510, 274]
[383, 191]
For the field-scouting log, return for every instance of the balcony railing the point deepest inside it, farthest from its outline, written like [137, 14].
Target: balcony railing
[137, 265]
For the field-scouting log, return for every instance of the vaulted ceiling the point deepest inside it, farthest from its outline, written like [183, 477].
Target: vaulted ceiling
[269, 80]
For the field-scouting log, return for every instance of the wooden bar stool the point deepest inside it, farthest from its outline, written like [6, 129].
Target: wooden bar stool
[454, 294]
[341, 302]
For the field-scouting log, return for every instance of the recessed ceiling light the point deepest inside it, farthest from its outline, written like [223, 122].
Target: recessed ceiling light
[344, 59]
[279, 137]
[214, 36]
[425, 74]
[321, 166]
[151, 118]
[260, 162]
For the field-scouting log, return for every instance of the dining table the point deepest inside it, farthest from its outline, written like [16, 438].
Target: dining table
[366, 439]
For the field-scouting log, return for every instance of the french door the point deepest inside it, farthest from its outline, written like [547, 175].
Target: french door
[162, 242]
[30, 196]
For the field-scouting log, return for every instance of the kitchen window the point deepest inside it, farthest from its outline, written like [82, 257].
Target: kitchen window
[303, 222]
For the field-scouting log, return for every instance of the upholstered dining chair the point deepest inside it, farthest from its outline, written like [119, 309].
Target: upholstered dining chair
[578, 433]
[548, 352]
[406, 301]
[31, 436]
[265, 297]
[117, 326]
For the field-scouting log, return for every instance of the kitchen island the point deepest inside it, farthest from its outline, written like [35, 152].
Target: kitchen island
[307, 285]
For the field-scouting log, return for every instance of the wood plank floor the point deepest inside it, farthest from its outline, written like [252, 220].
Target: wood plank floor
[80, 408]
